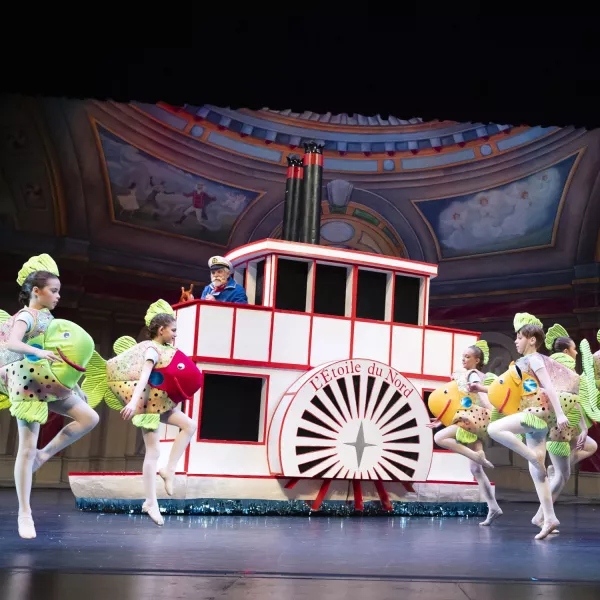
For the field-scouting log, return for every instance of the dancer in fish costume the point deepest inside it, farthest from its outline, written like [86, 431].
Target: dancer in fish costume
[596, 363]
[535, 409]
[466, 416]
[147, 382]
[581, 446]
[41, 361]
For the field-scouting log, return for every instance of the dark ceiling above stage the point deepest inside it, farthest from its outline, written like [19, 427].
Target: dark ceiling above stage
[501, 69]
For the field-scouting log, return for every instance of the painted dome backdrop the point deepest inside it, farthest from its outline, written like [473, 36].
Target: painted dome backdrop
[509, 212]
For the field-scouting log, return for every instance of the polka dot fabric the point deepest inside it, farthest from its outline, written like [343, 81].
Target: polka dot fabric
[31, 382]
[476, 419]
[124, 370]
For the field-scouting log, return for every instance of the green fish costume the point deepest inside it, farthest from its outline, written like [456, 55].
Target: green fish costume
[27, 383]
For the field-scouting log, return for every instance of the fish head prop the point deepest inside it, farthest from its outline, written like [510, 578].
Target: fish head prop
[506, 391]
[71, 343]
[445, 401]
[180, 379]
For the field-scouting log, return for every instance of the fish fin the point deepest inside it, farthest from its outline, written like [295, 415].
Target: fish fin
[123, 343]
[4, 401]
[489, 378]
[112, 401]
[95, 384]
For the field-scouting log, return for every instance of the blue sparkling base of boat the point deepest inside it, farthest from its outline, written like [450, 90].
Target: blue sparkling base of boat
[337, 508]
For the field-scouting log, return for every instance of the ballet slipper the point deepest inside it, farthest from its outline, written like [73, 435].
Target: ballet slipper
[547, 529]
[153, 512]
[491, 517]
[169, 480]
[484, 462]
[26, 527]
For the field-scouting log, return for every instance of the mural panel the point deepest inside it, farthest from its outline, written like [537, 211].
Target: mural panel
[150, 193]
[519, 215]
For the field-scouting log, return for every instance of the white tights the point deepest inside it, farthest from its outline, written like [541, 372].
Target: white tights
[505, 432]
[29, 459]
[562, 470]
[187, 429]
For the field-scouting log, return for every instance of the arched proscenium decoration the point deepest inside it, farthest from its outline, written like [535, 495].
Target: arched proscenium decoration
[352, 419]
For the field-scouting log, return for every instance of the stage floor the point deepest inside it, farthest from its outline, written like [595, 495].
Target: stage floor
[91, 555]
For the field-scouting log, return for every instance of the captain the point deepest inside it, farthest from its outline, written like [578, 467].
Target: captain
[223, 287]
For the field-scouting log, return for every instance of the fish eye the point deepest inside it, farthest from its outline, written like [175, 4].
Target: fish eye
[181, 366]
[445, 391]
[66, 335]
[501, 380]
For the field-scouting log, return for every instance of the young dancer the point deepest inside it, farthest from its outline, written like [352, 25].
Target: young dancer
[468, 429]
[41, 360]
[146, 382]
[580, 445]
[539, 413]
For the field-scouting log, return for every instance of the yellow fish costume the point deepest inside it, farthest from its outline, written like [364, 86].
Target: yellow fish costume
[453, 404]
[519, 390]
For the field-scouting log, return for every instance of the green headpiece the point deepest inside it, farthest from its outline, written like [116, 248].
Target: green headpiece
[522, 319]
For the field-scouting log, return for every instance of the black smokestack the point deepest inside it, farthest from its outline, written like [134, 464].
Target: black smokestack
[291, 205]
[311, 194]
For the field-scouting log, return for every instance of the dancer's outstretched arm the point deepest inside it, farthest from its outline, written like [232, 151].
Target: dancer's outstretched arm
[546, 383]
[136, 399]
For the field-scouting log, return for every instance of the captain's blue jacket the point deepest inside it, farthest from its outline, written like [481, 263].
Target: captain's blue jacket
[233, 292]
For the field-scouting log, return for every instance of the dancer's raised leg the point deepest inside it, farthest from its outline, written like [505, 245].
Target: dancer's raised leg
[446, 438]
[187, 428]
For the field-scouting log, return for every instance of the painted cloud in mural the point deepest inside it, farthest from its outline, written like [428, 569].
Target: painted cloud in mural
[516, 215]
[499, 213]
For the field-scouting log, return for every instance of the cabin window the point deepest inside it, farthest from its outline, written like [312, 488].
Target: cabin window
[233, 408]
[260, 280]
[407, 293]
[330, 290]
[292, 283]
[371, 295]
[239, 275]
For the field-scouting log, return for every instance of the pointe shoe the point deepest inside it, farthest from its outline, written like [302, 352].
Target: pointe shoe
[168, 479]
[547, 529]
[154, 513]
[491, 517]
[26, 527]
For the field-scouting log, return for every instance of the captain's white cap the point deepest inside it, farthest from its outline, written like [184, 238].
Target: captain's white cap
[217, 262]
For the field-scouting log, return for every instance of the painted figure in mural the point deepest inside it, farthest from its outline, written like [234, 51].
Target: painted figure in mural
[223, 287]
[147, 382]
[200, 200]
[128, 203]
[466, 416]
[581, 446]
[150, 205]
[41, 361]
[539, 409]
